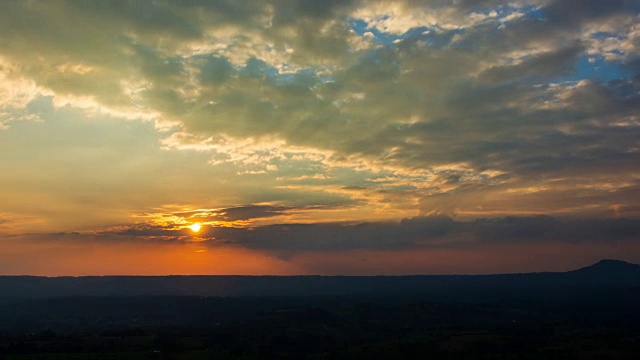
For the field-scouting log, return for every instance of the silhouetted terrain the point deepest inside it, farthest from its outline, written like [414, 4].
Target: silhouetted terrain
[589, 313]
[603, 274]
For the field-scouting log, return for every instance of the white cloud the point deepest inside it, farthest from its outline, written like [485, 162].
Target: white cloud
[294, 93]
[16, 93]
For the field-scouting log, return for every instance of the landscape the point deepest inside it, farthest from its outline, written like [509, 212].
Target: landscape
[589, 313]
[319, 179]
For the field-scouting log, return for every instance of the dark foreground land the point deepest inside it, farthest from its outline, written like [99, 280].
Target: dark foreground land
[592, 313]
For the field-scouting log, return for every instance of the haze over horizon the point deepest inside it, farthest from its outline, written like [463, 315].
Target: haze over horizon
[318, 137]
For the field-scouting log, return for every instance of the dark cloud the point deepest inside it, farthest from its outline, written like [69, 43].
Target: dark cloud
[431, 231]
[468, 94]
[215, 70]
[555, 63]
[513, 229]
[436, 231]
[571, 12]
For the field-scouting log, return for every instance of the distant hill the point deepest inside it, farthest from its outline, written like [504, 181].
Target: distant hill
[609, 267]
[606, 273]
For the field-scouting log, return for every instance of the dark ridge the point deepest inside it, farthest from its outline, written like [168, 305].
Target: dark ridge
[589, 313]
[604, 274]
[607, 272]
[610, 266]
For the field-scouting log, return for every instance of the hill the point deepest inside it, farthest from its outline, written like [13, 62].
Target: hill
[605, 273]
[588, 313]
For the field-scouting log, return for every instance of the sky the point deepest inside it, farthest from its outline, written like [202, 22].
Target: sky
[318, 137]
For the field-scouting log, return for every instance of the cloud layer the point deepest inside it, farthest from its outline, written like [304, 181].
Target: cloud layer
[276, 122]
[410, 233]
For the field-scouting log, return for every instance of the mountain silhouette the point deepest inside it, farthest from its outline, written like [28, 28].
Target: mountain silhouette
[603, 274]
[607, 272]
[610, 266]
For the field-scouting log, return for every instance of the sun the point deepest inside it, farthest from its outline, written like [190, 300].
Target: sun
[195, 227]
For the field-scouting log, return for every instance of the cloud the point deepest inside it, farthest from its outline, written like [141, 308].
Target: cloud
[295, 237]
[573, 12]
[541, 66]
[180, 219]
[13, 223]
[453, 103]
[422, 232]
[418, 245]
[545, 228]
[16, 93]
[240, 213]
[430, 232]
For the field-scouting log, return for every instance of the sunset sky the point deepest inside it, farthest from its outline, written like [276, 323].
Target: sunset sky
[318, 137]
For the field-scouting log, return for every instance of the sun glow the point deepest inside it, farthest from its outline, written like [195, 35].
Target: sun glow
[195, 227]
